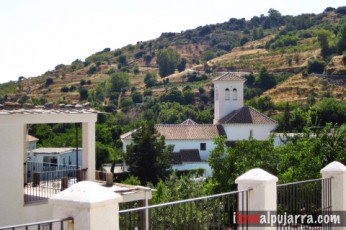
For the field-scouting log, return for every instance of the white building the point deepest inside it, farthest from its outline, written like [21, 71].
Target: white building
[14, 203]
[57, 156]
[231, 119]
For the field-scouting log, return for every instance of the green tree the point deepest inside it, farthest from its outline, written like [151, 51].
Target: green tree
[119, 81]
[137, 97]
[286, 118]
[324, 39]
[315, 66]
[189, 97]
[83, 94]
[341, 39]
[172, 95]
[266, 80]
[229, 163]
[150, 79]
[104, 154]
[182, 65]
[49, 81]
[167, 60]
[330, 110]
[148, 157]
[298, 120]
[122, 59]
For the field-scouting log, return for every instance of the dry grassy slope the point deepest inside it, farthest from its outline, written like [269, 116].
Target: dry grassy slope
[251, 57]
[298, 88]
[336, 66]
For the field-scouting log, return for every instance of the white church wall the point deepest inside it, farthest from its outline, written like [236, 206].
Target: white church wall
[193, 144]
[224, 103]
[243, 131]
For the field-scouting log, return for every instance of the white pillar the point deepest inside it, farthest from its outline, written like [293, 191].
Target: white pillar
[91, 206]
[337, 171]
[88, 130]
[262, 194]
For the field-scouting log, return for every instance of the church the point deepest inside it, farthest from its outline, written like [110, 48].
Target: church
[193, 142]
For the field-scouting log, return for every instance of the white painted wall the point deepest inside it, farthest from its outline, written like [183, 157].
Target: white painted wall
[12, 150]
[185, 144]
[70, 157]
[242, 131]
[13, 153]
[192, 144]
[223, 107]
[32, 145]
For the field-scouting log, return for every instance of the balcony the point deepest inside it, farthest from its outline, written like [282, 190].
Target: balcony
[43, 180]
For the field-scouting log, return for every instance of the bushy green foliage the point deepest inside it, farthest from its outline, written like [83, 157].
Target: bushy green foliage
[172, 95]
[324, 38]
[119, 81]
[315, 66]
[167, 60]
[150, 79]
[49, 81]
[283, 41]
[137, 97]
[341, 39]
[290, 161]
[64, 89]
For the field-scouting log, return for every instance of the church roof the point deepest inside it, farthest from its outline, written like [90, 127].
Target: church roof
[185, 131]
[232, 76]
[189, 122]
[246, 115]
[190, 132]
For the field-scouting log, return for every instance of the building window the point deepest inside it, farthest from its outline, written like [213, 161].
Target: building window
[227, 94]
[216, 94]
[235, 95]
[203, 146]
[251, 133]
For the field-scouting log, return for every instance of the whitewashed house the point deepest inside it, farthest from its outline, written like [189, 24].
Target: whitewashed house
[22, 201]
[231, 119]
[57, 156]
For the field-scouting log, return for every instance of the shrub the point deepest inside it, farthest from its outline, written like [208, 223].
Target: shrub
[49, 81]
[64, 89]
[316, 66]
[92, 69]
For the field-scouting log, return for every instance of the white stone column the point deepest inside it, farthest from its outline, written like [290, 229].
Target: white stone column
[88, 132]
[91, 205]
[262, 194]
[337, 171]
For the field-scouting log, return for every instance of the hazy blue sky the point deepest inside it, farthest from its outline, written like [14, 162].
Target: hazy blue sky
[37, 35]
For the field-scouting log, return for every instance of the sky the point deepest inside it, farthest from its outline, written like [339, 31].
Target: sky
[37, 35]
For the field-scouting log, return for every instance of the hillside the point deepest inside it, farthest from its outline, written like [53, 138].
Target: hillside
[282, 44]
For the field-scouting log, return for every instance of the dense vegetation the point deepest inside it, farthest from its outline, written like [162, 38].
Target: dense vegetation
[168, 80]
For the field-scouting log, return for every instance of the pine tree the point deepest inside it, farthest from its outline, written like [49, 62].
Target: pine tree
[148, 157]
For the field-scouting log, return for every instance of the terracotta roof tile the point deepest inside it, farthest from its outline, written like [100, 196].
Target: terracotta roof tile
[185, 132]
[190, 132]
[246, 115]
[232, 76]
[189, 122]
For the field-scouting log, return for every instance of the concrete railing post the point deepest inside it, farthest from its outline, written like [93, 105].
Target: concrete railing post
[337, 171]
[91, 205]
[262, 194]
